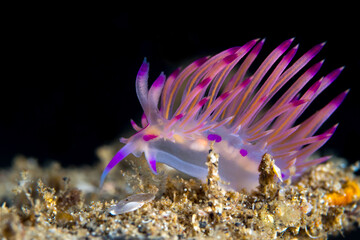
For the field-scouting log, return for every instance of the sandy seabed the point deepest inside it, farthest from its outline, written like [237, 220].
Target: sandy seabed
[53, 202]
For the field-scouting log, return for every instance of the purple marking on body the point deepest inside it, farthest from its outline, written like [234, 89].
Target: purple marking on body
[179, 116]
[315, 50]
[296, 103]
[159, 82]
[152, 163]
[246, 82]
[204, 82]
[143, 69]
[224, 95]
[314, 69]
[230, 58]
[175, 73]
[117, 158]
[285, 45]
[334, 74]
[149, 137]
[201, 61]
[203, 101]
[120, 155]
[243, 152]
[233, 50]
[315, 86]
[338, 100]
[214, 137]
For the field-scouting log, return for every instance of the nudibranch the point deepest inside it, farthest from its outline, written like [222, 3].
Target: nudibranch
[222, 102]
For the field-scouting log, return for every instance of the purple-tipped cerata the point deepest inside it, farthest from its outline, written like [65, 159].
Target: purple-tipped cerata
[237, 112]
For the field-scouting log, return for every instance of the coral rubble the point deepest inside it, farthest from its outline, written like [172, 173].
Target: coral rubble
[55, 202]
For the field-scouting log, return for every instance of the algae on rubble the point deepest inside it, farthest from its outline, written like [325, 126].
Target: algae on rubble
[55, 202]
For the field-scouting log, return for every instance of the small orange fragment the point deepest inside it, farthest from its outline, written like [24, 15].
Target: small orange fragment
[350, 193]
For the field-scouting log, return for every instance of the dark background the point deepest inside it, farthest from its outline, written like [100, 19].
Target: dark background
[69, 75]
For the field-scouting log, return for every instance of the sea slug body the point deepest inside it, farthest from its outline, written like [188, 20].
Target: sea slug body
[233, 111]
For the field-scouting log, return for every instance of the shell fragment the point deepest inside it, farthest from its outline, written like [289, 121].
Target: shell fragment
[131, 203]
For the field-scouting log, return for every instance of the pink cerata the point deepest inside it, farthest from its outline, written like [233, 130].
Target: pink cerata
[223, 102]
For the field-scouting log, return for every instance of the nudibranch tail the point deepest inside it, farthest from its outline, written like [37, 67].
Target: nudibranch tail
[224, 103]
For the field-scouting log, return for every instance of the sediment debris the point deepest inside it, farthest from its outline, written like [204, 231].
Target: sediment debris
[55, 202]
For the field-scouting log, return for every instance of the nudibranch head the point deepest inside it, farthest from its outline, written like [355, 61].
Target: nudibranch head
[226, 109]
